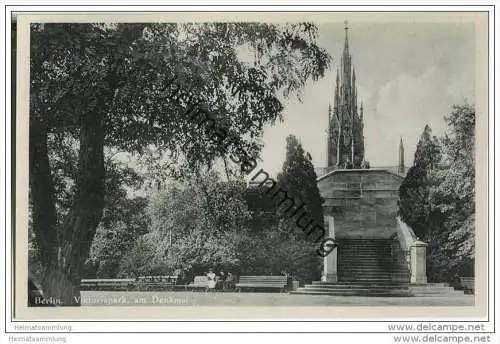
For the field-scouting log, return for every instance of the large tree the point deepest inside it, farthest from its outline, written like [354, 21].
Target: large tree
[298, 178]
[453, 193]
[109, 85]
[415, 206]
[437, 197]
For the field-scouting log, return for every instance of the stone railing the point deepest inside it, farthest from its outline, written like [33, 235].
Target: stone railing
[416, 249]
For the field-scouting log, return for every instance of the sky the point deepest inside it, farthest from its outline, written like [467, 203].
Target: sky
[408, 75]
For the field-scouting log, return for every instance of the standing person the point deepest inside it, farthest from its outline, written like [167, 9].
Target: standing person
[211, 276]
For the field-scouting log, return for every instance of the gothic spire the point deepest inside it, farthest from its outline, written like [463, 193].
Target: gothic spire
[346, 145]
[346, 42]
[401, 164]
[336, 100]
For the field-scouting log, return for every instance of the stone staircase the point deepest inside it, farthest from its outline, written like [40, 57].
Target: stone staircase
[370, 260]
[366, 267]
[372, 267]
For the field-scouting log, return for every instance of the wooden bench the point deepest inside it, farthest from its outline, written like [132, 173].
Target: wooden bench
[156, 282]
[467, 283]
[108, 284]
[200, 282]
[262, 282]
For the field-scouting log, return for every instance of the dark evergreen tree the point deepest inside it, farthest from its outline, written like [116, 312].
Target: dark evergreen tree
[414, 193]
[298, 178]
[428, 153]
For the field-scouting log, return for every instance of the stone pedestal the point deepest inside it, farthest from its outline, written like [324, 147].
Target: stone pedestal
[418, 263]
[330, 261]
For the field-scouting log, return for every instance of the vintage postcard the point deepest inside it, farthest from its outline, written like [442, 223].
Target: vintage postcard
[251, 165]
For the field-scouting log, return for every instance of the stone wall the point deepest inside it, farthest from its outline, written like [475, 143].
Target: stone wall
[362, 202]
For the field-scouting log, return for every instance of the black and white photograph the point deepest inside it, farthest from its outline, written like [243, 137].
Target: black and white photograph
[235, 163]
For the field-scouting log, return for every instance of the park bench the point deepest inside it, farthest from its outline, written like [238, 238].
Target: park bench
[467, 283]
[107, 284]
[262, 282]
[200, 282]
[156, 282]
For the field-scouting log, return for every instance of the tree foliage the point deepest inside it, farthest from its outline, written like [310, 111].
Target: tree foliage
[298, 178]
[437, 197]
[109, 85]
[414, 193]
[453, 192]
[207, 223]
[195, 225]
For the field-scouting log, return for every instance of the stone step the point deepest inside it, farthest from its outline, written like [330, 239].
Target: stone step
[430, 285]
[373, 278]
[377, 288]
[375, 293]
[364, 248]
[361, 240]
[363, 244]
[365, 258]
[364, 272]
[364, 253]
[362, 283]
[433, 290]
[443, 293]
[380, 269]
[355, 286]
[366, 261]
[355, 291]
[370, 264]
[367, 244]
[350, 277]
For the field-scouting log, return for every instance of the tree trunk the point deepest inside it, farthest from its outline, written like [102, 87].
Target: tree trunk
[62, 280]
[67, 246]
[42, 193]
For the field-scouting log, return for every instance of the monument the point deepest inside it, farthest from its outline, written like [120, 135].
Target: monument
[377, 254]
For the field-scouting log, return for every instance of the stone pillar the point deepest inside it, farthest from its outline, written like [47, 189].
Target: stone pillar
[330, 261]
[418, 263]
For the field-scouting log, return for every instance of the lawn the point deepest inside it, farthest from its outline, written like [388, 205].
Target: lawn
[188, 298]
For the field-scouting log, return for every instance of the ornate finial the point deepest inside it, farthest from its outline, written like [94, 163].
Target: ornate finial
[346, 44]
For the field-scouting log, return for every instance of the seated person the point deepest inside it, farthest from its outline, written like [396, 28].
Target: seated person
[230, 282]
[221, 281]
